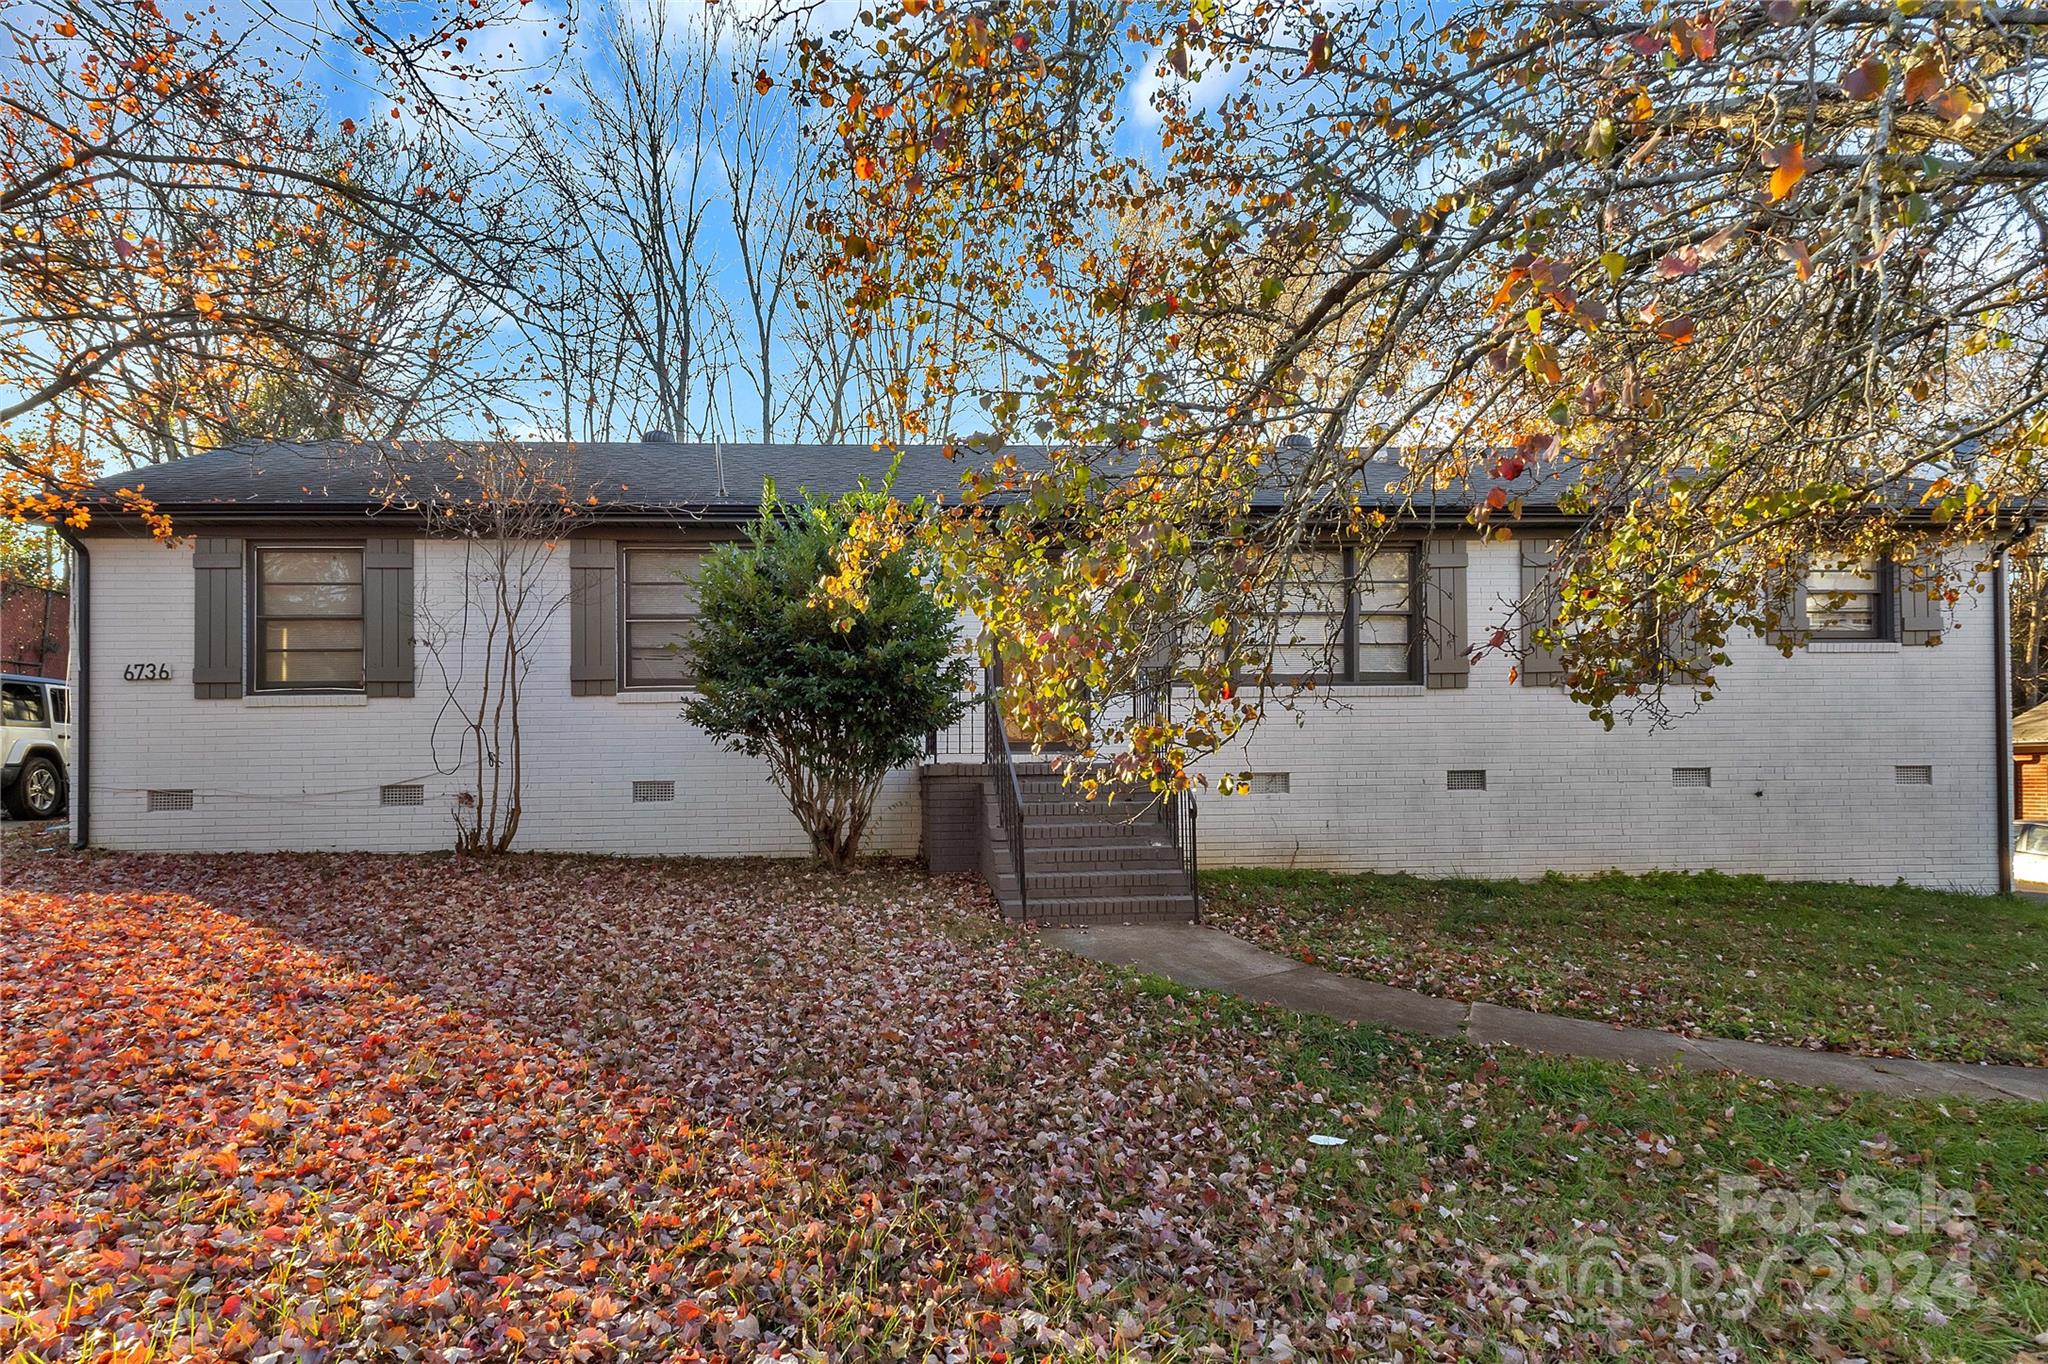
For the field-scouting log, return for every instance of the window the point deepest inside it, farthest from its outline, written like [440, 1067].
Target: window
[1349, 617]
[659, 615]
[1314, 617]
[309, 619]
[60, 705]
[21, 703]
[1386, 616]
[1845, 600]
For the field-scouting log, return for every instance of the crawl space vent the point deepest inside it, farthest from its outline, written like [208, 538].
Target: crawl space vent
[1692, 776]
[169, 800]
[1268, 783]
[1917, 774]
[1465, 779]
[402, 795]
[654, 790]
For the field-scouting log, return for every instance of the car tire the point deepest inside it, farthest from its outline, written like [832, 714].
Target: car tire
[38, 790]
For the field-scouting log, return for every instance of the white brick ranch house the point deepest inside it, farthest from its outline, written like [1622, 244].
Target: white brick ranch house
[258, 684]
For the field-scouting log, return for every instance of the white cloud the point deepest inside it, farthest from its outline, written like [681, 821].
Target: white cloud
[1203, 88]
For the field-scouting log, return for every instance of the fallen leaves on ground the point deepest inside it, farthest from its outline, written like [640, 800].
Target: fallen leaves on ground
[315, 1107]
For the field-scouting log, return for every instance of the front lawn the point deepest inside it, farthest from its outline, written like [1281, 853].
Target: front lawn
[328, 1107]
[1883, 971]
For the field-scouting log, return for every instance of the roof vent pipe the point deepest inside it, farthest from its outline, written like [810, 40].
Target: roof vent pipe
[718, 462]
[657, 437]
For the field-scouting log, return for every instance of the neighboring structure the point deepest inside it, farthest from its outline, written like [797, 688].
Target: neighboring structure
[2030, 763]
[35, 628]
[263, 683]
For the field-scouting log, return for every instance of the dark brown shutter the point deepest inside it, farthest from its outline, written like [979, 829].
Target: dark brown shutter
[1447, 654]
[219, 606]
[593, 617]
[388, 616]
[1919, 612]
[1541, 598]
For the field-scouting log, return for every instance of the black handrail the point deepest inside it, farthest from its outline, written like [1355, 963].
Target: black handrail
[1009, 791]
[1181, 827]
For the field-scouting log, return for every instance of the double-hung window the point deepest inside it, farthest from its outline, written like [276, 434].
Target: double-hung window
[1846, 599]
[308, 612]
[1348, 616]
[658, 614]
[1386, 616]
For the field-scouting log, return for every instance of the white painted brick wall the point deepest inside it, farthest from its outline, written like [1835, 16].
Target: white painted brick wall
[304, 772]
[1802, 752]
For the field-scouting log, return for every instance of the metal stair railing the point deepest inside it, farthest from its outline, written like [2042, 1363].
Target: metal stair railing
[1002, 764]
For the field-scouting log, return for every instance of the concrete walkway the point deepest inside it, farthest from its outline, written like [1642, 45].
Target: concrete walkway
[1210, 959]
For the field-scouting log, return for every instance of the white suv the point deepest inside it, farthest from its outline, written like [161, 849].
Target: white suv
[35, 745]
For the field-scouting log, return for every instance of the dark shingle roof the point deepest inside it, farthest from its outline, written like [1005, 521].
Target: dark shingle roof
[625, 477]
[622, 475]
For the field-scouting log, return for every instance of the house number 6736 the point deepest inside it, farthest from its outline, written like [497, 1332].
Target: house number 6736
[146, 672]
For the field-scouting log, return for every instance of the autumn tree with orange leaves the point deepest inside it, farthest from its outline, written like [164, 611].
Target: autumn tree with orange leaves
[186, 237]
[1745, 280]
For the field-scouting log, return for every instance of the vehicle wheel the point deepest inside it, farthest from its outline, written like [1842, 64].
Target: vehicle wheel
[38, 791]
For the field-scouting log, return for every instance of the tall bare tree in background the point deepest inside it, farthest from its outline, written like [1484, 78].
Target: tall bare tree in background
[683, 290]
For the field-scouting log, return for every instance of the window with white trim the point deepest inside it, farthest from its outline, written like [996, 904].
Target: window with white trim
[1845, 599]
[658, 614]
[308, 611]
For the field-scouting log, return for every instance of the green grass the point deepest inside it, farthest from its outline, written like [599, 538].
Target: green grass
[1890, 971]
[1579, 1173]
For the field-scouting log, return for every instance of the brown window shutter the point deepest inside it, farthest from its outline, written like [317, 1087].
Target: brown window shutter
[593, 617]
[1919, 611]
[388, 616]
[1541, 598]
[219, 606]
[1447, 652]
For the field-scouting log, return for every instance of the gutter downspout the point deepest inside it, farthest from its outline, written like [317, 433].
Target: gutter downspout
[2001, 730]
[81, 691]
